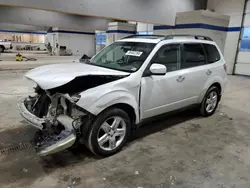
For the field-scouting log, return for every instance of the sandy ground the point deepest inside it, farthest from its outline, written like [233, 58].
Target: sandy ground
[182, 150]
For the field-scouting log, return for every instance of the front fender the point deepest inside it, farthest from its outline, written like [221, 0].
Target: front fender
[111, 98]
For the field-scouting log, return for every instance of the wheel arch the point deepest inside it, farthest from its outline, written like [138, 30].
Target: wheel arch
[218, 85]
[120, 99]
[213, 81]
[126, 108]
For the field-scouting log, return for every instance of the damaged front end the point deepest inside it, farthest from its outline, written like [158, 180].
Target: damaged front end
[53, 109]
[57, 118]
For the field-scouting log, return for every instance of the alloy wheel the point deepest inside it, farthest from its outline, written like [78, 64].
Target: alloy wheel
[111, 133]
[211, 101]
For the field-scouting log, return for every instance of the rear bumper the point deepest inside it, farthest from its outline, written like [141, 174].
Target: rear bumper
[28, 116]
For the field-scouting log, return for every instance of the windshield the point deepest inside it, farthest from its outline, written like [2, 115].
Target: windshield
[123, 56]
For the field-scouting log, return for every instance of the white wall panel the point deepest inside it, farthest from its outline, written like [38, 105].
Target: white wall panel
[121, 26]
[217, 22]
[188, 17]
[248, 7]
[79, 44]
[242, 68]
[164, 32]
[227, 7]
[144, 27]
[243, 57]
[151, 11]
[20, 27]
[202, 16]
[246, 22]
[235, 21]
[218, 36]
[230, 49]
[49, 19]
[234, 8]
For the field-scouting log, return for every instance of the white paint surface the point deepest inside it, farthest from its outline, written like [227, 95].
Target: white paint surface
[233, 8]
[157, 11]
[114, 26]
[230, 50]
[226, 7]
[42, 18]
[144, 27]
[79, 44]
[203, 17]
[51, 76]
[126, 90]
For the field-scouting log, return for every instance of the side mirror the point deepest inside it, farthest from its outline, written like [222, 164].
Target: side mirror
[158, 69]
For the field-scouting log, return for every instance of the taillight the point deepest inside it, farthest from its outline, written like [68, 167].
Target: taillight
[225, 67]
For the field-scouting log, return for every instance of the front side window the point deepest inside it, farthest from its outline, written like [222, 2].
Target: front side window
[169, 55]
[193, 56]
[123, 56]
[212, 53]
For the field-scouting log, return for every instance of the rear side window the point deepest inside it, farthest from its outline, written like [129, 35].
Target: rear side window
[212, 53]
[193, 56]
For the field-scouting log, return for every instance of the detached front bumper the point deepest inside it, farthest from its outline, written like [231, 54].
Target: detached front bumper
[49, 143]
[28, 116]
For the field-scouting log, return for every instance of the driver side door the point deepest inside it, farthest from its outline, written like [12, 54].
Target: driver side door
[162, 93]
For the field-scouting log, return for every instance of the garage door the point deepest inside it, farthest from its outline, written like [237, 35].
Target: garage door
[243, 55]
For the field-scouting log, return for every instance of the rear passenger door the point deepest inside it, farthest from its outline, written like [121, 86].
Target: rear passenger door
[193, 71]
[214, 61]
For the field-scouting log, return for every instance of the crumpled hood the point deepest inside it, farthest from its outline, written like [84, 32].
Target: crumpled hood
[51, 76]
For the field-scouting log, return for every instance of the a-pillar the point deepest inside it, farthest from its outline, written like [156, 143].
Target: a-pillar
[119, 30]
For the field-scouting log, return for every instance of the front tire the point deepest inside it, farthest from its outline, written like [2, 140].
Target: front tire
[1, 49]
[210, 102]
[109, 132]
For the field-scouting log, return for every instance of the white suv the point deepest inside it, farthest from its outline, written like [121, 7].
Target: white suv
[99, 102]
[5, 45]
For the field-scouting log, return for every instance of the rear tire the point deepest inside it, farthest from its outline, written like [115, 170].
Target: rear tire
[109, 132]
[210, 102]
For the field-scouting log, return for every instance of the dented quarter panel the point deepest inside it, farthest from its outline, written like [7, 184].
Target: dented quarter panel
[125, 90]
[51, 76]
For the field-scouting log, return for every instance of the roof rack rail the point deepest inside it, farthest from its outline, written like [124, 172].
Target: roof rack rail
[150, 36]
[200, 37]
[168, 37]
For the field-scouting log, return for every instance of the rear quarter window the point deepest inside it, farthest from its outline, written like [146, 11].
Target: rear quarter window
[212, 53]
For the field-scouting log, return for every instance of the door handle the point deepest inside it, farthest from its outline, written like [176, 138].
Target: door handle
[209, 72]
[180, 78]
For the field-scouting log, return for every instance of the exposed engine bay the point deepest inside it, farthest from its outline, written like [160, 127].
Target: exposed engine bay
[55, 113]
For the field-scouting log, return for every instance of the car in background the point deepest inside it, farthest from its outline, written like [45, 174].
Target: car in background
[98, 102]
[5, 45]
